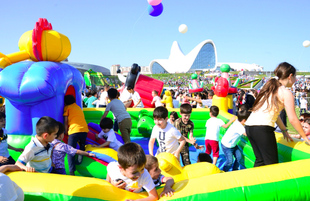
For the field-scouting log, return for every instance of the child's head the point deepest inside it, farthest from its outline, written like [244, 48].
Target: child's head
[60, 134]
[306, 126]
[130, 89]
[152, 166]
[2, 120]
[243, 116]
[303, 116]
[112, 93]
[210, 94]
[160, 116]
[185, 111]
[69, 99]
[132, 160]
[204, 157]
[154, 93]
[47, 128]
[173, 116]
[214, 111]
[106, 124]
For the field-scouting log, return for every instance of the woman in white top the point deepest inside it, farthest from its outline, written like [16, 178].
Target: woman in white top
[265, 113]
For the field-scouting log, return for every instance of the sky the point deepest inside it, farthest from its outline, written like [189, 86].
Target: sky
[107, 32]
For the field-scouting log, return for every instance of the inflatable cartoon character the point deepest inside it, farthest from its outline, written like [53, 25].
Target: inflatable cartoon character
[167, 99]
[194, 85]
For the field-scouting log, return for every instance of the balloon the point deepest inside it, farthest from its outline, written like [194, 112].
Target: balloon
[155, 10]
[154, 2]
[306, 43]
[183, 28]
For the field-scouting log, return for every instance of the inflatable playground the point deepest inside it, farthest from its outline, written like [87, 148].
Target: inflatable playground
[36, 88]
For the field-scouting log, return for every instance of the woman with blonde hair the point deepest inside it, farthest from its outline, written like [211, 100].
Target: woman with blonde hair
[260, 126]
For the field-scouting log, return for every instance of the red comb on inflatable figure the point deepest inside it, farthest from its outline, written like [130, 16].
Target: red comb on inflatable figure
[39, 27]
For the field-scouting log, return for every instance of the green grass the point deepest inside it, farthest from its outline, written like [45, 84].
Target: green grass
[291, 129]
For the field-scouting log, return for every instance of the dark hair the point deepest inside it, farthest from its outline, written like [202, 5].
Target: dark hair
[69, 99]
[305, 115]
[61, 129]
[112, 93]
[106, 123]
[214, 110]
[185, 108]
[2, 115]
[204, 157]
[307, 120]
[156, 92]
[160, 112]
[244, 107]
[174, 114]
[211, 93]
[46, 125]
[129, 88]
[150, 161]
[243, 114]
[131, 154]
[270, 89]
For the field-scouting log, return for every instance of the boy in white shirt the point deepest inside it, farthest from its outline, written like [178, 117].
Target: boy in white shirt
[168, 137]
[129, 172]
[106, 124]
[135, 97]
[230, 140]
[37, 154]
[213, 126]
[156, 99]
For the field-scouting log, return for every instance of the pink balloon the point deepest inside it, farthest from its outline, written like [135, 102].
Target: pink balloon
[154, 2]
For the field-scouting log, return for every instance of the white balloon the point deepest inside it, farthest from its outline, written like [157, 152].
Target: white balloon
[306, 43]
[183, 28]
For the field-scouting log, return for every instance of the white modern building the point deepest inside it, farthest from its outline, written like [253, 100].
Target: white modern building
[202, 57]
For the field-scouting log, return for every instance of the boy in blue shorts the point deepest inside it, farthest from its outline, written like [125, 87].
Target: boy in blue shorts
[230, 140]
[129, 172]
[37, 154]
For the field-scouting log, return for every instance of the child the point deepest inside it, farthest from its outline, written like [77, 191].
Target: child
[106, 124]
[76, 127]
[173, 116]
[159, 179]
[203, 157]
[9, 190]
[37, 154]
[129, 173]
[168, 137]
[5, 157]
[156, 99]
[119, 111]
[230, 140]
[305, 127]
[185, 126]
[135, 98]
[303, 105]
[60, 150]
[90, 103]
[213, 130]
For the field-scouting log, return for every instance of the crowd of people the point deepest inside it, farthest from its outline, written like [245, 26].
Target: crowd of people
[257, 115]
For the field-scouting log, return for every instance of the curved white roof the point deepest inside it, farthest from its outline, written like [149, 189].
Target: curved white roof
[178, 62]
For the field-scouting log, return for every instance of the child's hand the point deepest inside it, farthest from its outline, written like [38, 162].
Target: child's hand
[94, 145]
[92, 155]
[192, 141]
[119, 184]
[29, 169]
[168, 191]
[3, 159]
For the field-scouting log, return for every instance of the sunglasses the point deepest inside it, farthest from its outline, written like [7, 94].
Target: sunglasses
[301, 120]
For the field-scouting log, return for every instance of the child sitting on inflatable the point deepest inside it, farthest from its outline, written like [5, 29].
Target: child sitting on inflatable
[60, 150]
[156, 99]
[37, 154]
[129, 173]
[107, 133]
[158, 178]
